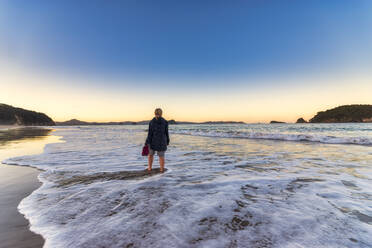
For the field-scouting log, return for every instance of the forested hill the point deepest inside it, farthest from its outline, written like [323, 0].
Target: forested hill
[10, 115]
[345, 113]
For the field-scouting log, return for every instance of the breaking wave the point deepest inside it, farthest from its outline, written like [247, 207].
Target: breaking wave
[280, 136]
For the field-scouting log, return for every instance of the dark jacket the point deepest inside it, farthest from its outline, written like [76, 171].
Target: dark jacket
[158, 136]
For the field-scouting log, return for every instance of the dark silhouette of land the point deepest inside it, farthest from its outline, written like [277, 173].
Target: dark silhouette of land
[17, 116]
[276, 122]
[341, 114]
[301, 120]
[10, 115]
[345, 113]
[75, 122]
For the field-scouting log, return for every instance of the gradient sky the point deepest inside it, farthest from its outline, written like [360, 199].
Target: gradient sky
[253, 61]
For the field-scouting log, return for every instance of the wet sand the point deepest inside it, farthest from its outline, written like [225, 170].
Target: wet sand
[106, 176]
[16, 183]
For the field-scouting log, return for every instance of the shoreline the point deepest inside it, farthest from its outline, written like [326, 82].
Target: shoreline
[18, 182]
[14, 227]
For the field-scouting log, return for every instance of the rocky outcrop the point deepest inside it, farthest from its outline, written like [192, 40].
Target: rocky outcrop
[10, 115]
[301, 120]
[172, 122]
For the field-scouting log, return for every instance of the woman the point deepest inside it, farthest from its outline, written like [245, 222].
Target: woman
[157, 138]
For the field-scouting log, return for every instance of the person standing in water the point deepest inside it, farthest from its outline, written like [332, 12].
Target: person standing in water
[157, 139]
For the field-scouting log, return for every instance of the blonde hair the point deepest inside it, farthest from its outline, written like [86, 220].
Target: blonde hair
[158, 111]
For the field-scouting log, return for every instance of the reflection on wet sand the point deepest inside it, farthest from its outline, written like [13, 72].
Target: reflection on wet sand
[23, 133]
[16, 183]
[24, 141]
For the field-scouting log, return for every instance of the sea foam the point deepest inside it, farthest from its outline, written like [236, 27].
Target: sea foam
[217, 192]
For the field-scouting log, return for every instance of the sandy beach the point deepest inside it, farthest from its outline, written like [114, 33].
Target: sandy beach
[16, 183]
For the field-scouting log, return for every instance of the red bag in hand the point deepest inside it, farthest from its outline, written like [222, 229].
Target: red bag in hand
[145, 150]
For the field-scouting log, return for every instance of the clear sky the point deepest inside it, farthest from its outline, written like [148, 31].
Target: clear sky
[252, 60]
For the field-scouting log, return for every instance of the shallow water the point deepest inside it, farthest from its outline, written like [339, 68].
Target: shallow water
[226, 186]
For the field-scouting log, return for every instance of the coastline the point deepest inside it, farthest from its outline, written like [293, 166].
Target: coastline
[231, 184]
[18, 182]
[14, 227]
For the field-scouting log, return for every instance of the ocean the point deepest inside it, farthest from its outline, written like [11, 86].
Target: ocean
[235, 185]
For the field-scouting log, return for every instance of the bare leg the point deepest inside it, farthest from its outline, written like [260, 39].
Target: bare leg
[151, 159]
[161, 161]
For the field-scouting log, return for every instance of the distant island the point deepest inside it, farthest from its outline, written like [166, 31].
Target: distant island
[10, 115]
[343, 114]
[75, 122]
[276, 122]
[301, 120]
